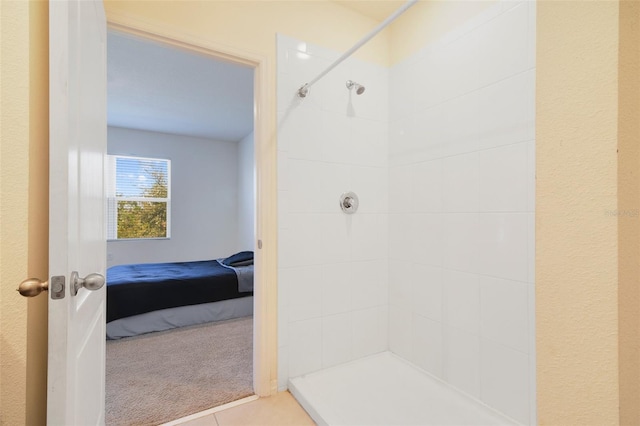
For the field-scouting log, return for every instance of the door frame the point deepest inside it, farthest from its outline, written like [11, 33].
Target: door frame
[265, 378]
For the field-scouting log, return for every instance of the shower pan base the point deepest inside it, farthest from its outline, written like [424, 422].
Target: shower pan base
[385, 390]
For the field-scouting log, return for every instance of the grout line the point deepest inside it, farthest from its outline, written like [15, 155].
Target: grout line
[444, 157]
[483, 86]
[211, 411]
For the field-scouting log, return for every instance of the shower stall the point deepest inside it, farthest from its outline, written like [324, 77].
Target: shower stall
[406, 227]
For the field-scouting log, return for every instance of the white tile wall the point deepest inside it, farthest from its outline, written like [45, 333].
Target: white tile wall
[428, 194]
[369, 140]
[503, 179]
[427, 238]
[333, 268]
[369, 237]
[505, 312]
[459, 129]
[506, 111]
[427, 291]
[304, 347]
[504, 379]
[427, 345]
[337, 339]
[369, 285]
[303, 291]
[461, 356]
[400, 331]
[337, 288]
[369, 331]
[460, 183]
[402, 290]
[438, 264]
[462, 148]
[461, 301]
[503, 245]
[461, 241]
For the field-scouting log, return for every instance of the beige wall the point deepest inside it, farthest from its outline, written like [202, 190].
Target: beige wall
[629, 209]
[23, 210]
[586, 213]
[251, 25]
[14, 162]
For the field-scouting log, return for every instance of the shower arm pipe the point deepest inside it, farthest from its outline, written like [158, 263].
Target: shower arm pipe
[304, 90]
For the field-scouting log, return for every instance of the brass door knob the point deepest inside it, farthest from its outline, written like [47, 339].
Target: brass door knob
[32, 287]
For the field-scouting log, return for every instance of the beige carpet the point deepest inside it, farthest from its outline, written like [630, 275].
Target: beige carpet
[163, 376]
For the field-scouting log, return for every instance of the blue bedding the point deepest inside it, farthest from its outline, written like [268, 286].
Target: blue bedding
[141, 288]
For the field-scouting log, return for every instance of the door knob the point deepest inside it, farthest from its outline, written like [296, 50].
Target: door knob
[32, 287]
[90, 282]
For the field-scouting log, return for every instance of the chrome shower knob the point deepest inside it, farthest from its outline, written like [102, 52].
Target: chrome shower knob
[349, 202]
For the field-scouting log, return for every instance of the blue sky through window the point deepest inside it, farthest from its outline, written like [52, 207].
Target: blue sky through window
[133, 175]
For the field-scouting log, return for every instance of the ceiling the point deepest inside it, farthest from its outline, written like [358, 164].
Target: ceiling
[165, 89]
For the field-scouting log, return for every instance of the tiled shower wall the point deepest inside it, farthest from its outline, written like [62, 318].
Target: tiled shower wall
[333, 267]
[461, 208]
[437, 265]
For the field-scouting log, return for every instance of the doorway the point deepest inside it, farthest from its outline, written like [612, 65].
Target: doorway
[182, 105]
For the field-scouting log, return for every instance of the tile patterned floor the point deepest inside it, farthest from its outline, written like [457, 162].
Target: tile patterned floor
[277, 410]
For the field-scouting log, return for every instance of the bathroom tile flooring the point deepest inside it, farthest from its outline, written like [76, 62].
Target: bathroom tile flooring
[277, 410]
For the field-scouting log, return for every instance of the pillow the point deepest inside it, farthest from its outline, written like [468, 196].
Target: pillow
[239, 258]
[239, 264]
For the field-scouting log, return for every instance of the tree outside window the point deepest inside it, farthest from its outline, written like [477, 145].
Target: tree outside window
[139, 198]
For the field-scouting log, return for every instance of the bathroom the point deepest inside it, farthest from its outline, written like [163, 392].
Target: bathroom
[437, 263]
[585, 310]
[583, 321]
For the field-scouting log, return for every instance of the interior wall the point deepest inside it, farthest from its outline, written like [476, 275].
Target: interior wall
[629, 212]
[23, 209]
[429, 21]
[461, 205]
[14, 187]
[37, 308]
[332, 285]
[251, 25]
[204, 197]
[246, 193]
[577, 221]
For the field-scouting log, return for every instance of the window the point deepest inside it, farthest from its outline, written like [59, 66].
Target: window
[138, 197]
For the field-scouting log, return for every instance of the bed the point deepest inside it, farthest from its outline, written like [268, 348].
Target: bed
[143, 298]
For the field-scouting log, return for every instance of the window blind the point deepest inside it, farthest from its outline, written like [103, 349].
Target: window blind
[138, 197]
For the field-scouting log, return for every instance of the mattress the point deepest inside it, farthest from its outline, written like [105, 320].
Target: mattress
[183, 316]
[141, 288]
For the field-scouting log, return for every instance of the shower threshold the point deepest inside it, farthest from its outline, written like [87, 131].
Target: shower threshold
[383, 389]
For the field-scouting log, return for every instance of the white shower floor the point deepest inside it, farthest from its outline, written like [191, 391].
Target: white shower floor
[385, 390]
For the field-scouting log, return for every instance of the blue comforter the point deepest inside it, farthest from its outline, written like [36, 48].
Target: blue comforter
[140, 288]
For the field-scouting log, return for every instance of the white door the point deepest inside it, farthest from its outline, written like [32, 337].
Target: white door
[77, 147]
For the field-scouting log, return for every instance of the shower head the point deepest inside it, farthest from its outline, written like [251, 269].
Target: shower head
[353, 85]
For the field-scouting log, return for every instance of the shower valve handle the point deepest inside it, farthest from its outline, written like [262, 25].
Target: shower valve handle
[349, 202]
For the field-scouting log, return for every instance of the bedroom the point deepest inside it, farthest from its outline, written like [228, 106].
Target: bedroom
[184, 121]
